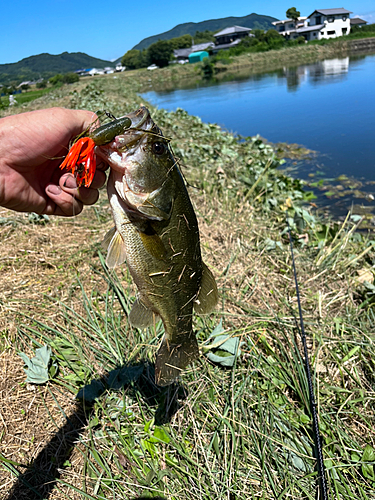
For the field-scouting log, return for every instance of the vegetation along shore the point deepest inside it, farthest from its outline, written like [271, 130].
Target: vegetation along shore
[239, 424]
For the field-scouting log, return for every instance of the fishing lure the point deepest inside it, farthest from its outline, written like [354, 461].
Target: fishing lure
[81, 158]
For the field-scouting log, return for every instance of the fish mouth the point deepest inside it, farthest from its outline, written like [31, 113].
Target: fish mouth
[125, 144]
[141, 124]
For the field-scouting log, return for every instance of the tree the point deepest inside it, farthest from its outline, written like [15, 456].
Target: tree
[57, 79]
[160, 53]
[41, 85]
[259, 34]
[134, 59]
[203, 36]
[274, 39]
[293, 14]
[181, 42]
[70, 78]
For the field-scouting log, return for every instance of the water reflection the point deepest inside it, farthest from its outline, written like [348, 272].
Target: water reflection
[317, 73]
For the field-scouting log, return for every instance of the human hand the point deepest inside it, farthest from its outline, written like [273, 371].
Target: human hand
[32, 147]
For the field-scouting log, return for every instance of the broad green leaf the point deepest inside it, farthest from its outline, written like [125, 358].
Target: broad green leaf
[37, 367]
[223, 349]
[227, 361]
[368, 468]
[368, 454]
[161, 435]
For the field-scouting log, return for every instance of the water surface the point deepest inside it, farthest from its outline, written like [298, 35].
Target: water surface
[328, 106]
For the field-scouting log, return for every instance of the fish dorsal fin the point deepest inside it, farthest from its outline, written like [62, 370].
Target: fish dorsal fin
[116, 254]
[154, 246]
[141, 316]
[207, 295]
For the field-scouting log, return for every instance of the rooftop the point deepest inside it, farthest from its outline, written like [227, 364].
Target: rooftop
[231, 30]
[357, 20]
[305, 29]
[184, 53]
[223, 46]
[283, 21]
[331, 12]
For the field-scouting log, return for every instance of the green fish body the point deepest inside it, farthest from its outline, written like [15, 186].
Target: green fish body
[156, 233]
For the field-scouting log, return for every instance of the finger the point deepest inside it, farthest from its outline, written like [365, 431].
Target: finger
[99, 179]
[61, 202]
[68, 182]
[88, 196]
[102, 165]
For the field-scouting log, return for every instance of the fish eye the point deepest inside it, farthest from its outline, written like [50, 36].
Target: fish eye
[158, 148]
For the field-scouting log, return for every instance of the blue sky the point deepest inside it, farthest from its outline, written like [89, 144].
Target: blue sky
[108, 29]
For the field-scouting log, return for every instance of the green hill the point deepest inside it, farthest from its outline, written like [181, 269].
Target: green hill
[46, 65]
[253, 21]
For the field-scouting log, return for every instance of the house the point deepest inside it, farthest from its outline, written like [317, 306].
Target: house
[322, 23]
[230, 37]
[95, 71]
[28, 82]
[330, 23]
[225, 39]
[82, 72]
[183, 54]
[287, 27]
[356, 21]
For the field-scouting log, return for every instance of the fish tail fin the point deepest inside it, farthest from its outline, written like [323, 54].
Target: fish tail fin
[173, 358]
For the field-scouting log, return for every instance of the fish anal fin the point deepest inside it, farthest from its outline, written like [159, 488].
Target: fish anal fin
[116, 254]
[141, 316]
[208, 294]
[173, 358]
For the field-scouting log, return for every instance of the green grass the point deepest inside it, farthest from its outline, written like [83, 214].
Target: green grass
[27, 96]
[242, 432]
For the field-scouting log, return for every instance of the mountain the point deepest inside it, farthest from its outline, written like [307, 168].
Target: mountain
[47, 65]
[253, 21]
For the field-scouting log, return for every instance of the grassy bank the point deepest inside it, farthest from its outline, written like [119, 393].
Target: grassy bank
[25, 97]
[235, 432]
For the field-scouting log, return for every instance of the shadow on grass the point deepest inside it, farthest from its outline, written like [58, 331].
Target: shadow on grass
[41, 476]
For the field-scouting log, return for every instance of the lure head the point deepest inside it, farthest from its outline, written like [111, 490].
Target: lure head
[144, 163]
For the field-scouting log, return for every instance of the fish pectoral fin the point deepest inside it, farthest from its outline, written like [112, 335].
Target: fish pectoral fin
[173, 358]
[108, 237]
[141, 316]
[116, 254]
[208, 294]
[153, 245]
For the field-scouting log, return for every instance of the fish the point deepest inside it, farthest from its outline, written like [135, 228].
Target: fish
[156, 233]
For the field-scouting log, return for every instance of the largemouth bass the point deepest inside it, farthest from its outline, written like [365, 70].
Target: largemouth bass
[156, 233]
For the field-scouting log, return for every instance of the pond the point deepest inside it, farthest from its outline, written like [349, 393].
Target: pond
[327, 106]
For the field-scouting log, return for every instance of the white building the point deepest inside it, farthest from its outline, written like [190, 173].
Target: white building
[322, 23]
[287, 27]
[95, 71]
[329, 23]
